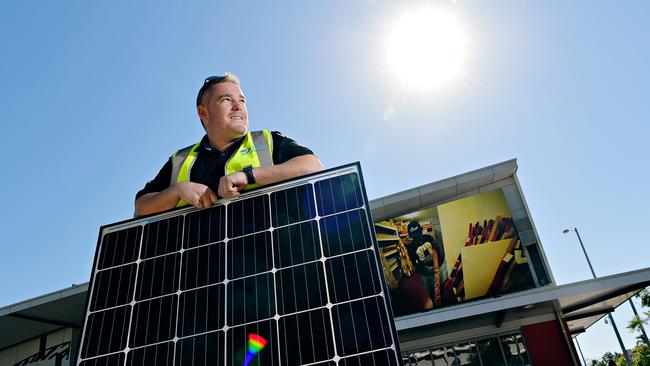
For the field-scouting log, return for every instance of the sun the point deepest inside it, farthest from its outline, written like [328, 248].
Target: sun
[426, 49]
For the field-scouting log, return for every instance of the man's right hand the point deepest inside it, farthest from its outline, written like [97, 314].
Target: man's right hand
[196, 194]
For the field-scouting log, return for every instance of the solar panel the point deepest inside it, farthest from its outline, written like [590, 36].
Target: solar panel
[284, 275]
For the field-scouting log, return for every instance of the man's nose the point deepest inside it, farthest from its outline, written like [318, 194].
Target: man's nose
[238, 104]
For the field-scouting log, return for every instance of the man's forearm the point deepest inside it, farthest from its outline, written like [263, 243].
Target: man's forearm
[296, 167]
[156, 202]
[200, 196]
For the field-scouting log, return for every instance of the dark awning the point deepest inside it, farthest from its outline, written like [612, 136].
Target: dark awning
[592, 299]
[41, 315]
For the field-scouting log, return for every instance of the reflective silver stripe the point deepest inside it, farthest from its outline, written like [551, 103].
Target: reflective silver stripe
[262, 148]
[177, 164]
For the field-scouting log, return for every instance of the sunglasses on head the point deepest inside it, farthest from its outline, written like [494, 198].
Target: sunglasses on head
[208, 82]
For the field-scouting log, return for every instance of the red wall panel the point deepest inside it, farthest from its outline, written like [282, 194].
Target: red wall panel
[546, 344]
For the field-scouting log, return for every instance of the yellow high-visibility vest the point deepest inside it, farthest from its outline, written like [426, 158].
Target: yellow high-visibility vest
[255, 150]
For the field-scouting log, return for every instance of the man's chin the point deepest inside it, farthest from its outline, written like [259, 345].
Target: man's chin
[239, 132]
[242, 131]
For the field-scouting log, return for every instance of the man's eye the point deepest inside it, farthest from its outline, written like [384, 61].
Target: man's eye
[225, 99]
[243, 101]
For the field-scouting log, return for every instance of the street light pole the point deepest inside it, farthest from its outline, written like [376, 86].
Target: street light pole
[580, 349]
[611, 318]
[620, 341]
[643, 334]
[584, 251]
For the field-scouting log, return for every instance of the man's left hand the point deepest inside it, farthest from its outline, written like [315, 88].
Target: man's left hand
[231, 184]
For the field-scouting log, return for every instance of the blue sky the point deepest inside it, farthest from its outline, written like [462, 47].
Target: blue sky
[94, 98]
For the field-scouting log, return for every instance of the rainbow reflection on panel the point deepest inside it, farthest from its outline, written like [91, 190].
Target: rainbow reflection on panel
[256, 343]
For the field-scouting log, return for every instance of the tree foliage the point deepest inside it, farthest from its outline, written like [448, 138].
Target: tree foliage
[637, 322]
[645, 297]
[640, 357]
[607, 357]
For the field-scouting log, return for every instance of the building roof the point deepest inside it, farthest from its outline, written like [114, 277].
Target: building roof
[41, 315]
[584, 303]
[441, 191]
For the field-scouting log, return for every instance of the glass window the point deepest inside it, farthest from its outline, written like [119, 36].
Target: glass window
[538, 264]
[515, 350]
[442, 356]
[422, 358]
[505, 350]
[490, 352]
[466, 354]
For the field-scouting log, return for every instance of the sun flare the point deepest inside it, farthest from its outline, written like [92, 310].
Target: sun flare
[426, 48]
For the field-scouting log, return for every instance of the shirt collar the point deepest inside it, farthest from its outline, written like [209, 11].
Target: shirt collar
[206, 146]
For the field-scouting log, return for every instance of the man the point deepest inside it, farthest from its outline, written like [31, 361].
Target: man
[428, 257]
[422, 248]
[229, 158]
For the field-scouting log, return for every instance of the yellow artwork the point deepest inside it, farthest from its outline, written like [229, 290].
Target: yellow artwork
[480, 263]
[456, 216]
[519, 257]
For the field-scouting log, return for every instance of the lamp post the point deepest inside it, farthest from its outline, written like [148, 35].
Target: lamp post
[611, 318]
[643, 334]
[580, 349]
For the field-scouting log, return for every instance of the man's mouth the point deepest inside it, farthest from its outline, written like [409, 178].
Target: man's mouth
[237, 117]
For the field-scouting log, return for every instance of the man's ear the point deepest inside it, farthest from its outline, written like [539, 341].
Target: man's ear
[203, 113]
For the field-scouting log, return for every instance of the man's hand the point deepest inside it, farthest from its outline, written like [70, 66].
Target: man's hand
[231, 184]
[201, 196]
[196, 194]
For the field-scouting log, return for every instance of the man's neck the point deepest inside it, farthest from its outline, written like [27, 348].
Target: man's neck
[222, 145]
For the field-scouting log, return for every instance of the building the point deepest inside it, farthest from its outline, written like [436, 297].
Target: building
[477, 294]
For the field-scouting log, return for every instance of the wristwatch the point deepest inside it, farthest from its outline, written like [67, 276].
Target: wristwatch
[249, 174]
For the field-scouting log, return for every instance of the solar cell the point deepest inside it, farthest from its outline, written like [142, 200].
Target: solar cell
[113, 359]
[161, 354]
[294, 263]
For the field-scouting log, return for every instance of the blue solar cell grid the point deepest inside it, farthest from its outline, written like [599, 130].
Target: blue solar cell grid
[295, 263]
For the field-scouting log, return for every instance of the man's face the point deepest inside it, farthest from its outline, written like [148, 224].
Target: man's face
[224, 113]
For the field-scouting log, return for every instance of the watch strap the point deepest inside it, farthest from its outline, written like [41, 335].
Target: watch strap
[249, 174]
